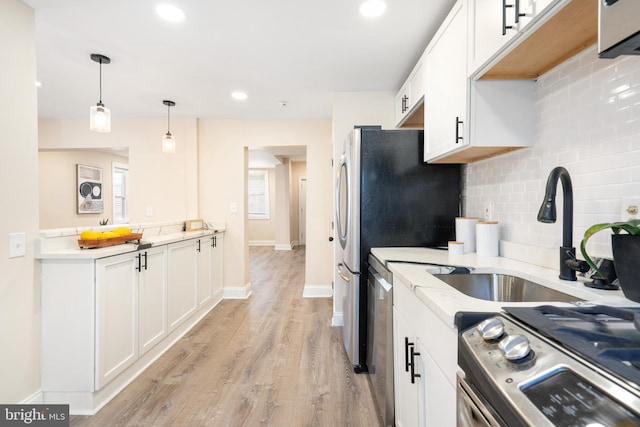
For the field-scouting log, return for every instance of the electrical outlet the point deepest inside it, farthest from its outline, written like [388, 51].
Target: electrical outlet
[487, 211]
[629, 209]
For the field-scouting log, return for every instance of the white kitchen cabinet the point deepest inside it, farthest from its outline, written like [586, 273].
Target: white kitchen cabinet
[182, 281]
[407, 364]
[216, 265]
[489, 20]
[410, 97]
[106, 318]
[116, 316]
[447, 85]
[205, 258]
[468, 120]
[431, 399]
[152, 288]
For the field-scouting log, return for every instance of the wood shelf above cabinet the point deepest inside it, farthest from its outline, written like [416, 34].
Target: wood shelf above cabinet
[474, 154]
[568, 32]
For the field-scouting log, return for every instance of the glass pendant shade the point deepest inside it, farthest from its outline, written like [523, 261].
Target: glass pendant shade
[100, 118]
[99, 115]
[168, 143]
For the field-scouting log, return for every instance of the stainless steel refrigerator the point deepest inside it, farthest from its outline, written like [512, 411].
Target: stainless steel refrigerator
[386, 196]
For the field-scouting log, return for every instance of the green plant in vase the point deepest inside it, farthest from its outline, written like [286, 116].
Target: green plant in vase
[626, 253]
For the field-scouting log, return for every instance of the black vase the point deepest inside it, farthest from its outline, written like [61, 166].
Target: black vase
[626, 259]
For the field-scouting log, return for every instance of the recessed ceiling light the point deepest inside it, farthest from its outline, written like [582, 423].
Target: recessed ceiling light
[372, 8]
[38, 84]
[170, 13]
[240, 96]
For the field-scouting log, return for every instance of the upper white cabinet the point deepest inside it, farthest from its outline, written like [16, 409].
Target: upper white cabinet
[522, 39]
[446, 100]
[468, 120]
[410, 97]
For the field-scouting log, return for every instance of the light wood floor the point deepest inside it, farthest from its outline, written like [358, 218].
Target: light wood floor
[271, 360]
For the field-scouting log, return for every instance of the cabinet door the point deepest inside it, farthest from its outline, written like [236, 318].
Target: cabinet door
[216, 265]
[152, 286]
[182, 281]
[205, 250]
[489, 35]
[406, 393]
[437, 399]
[446, 94]
[116, 316]
[402, 103]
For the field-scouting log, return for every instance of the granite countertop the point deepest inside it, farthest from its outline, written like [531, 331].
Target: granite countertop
[410, 265]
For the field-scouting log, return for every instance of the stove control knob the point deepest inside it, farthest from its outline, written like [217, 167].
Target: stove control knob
[515, 347]
[491, 329]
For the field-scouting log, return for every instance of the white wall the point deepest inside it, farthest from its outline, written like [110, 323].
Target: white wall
[587, 120]
[20, 279]
[223, 160]
[58, 188]
[167, 183]
[350, 109]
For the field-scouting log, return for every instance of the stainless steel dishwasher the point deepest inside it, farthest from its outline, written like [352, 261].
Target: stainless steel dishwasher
[380, 338]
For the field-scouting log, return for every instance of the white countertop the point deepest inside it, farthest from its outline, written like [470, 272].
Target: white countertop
[446, 301]
[76, 252]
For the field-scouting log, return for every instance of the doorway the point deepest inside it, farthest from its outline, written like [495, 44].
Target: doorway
[302, 210]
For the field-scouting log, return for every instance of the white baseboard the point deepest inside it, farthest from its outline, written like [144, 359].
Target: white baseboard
[262, 242]
[35, 399]
[283, 247]
[237, 292]
[317, 291]
[338, 319]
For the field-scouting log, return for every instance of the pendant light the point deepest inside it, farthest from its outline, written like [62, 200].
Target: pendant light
[168, 141]
[99, 115]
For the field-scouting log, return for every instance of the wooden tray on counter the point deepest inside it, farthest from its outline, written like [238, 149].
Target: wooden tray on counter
[101, 243]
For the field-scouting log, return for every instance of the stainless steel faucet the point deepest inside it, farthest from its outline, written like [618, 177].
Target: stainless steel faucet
[547, 214]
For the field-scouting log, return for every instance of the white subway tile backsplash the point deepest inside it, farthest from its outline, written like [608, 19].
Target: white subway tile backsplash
[587, 120]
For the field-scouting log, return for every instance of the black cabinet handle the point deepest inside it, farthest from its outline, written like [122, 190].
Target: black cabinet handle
[198, 245]
[145, 260]
[518, 14]
[139, 267]
[213, 245]
[413, 363]
[405, 103]
[458, 123]
[407, 344]
[505, 27]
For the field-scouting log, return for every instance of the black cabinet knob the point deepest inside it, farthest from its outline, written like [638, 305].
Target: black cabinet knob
[331, 239]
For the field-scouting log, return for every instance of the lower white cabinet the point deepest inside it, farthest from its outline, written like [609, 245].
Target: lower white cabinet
[183, 280]
[106, 319]
[425, 363]
[116, 316]
[152, 300]
[408, 381]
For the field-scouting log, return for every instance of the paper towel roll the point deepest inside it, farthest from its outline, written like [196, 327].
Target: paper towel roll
[487, 238]
[456, 248]
[466, 232]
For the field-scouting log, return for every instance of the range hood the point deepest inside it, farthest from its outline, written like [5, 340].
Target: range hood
[618, 28]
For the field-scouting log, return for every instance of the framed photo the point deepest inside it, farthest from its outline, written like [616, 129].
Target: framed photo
[89, 189]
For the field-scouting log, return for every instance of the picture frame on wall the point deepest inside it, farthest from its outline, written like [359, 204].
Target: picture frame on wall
[89, 189]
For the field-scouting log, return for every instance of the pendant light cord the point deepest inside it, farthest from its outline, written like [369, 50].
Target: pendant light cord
[100, 83]
[169, 118]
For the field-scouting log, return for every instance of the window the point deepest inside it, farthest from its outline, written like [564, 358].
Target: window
[258, 189]
[120, 174]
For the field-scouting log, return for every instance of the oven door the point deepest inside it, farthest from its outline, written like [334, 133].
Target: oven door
[473, 410]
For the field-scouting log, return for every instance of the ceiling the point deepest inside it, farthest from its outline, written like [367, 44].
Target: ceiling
[298, 51]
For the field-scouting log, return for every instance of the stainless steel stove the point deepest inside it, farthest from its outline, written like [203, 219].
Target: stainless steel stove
[550, 366]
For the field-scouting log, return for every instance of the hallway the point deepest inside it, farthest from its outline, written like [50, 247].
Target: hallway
[271, 360]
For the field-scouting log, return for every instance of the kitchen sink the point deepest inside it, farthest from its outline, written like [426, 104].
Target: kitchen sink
[503, 288]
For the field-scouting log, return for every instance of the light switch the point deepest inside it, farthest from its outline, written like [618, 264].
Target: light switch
[17, 245]
[234, 207]
[149, 211]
